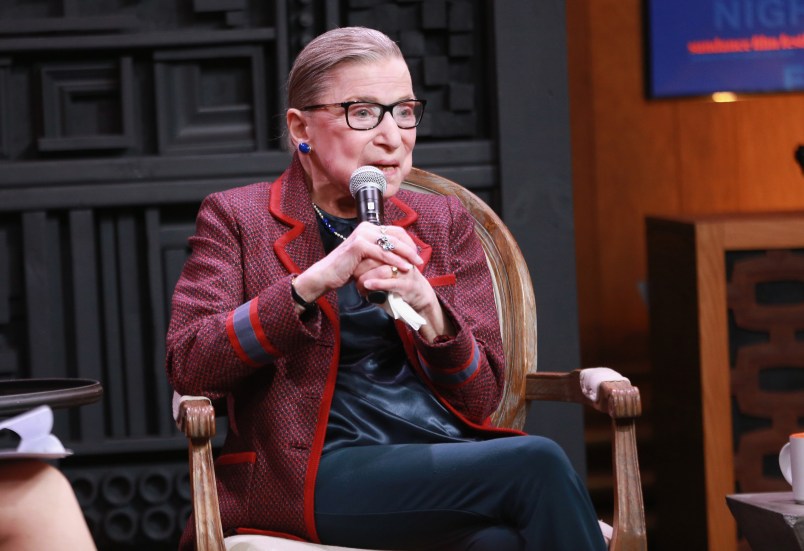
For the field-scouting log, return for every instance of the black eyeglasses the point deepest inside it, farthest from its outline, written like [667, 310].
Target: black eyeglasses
[365, 115]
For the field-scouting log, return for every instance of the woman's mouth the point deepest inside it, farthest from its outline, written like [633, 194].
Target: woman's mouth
[386, 168]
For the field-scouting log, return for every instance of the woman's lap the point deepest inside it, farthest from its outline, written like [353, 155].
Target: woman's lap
[493, 494]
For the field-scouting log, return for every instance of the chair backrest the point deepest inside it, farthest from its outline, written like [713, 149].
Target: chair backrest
[513, 292]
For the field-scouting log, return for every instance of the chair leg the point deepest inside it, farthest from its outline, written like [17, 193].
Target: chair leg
[208, 531]
[196, 418]
[629, 515]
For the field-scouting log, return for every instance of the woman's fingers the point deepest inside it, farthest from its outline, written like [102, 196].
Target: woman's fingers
[406, 281]
[368, 247]
[384, 243]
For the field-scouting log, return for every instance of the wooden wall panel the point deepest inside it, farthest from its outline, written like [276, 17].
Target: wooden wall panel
[739, 157]
[770, 129]
[630, 140]
[658, 157]
[634, 157]
[582, 126]
[707, 162]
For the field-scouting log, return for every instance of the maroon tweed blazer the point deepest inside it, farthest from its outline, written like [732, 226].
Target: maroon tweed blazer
[235, 334]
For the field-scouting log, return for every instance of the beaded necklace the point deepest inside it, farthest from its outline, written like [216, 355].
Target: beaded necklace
[328, 224]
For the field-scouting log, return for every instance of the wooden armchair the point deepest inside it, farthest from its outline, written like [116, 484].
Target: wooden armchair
[517, 312]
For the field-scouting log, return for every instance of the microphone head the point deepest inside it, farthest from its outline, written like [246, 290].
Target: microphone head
[365, 177]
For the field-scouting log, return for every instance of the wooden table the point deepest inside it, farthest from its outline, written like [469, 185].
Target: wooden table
[769, 521]
[17, 395]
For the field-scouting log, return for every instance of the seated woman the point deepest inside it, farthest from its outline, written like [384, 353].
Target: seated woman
[346, 426]
[38, 509]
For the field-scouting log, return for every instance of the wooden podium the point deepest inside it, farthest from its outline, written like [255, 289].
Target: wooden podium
[727, 359]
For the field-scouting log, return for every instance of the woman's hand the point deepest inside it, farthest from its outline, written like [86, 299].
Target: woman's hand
[374, 267]
[413, 288]
[408, 283]
[358, 254]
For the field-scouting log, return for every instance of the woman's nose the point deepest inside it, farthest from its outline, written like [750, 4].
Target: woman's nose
[388, 131]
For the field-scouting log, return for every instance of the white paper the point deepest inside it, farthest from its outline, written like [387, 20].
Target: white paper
[33, 427]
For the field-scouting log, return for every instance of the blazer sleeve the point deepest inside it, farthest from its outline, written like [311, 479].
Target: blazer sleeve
[467, 370]
[217, 335]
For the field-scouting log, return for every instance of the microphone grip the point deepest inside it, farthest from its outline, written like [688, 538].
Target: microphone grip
[369, 209]
[376, 297]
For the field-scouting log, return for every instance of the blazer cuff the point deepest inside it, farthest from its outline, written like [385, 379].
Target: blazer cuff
[449, 361]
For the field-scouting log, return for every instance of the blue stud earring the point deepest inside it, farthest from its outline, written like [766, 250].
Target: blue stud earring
[305, 148]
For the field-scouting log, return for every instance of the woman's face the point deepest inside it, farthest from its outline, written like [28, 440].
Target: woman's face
[338, 150]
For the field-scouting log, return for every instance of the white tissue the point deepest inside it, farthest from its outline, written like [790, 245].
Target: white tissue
[399, 309]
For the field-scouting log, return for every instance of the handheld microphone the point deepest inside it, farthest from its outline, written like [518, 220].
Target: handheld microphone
[367, 185]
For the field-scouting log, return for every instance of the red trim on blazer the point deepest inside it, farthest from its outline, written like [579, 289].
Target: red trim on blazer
[475, 354]
[254, 318]
[410, 215]
[233, 340]
[442, 280]
[237, 458]
[425, 250]
[443, 381]
[297, 227]
[321, 426]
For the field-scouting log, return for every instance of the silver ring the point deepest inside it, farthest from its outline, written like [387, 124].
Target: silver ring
[394, 272]
[385, 243]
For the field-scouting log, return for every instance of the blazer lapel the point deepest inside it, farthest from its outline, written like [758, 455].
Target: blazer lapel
[300, 246]
[399, 213]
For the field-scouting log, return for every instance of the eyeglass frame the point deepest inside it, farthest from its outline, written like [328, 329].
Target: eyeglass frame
[385, 109]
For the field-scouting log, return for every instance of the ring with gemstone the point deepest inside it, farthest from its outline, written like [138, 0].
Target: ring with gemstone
[385, 243]
[394, 271]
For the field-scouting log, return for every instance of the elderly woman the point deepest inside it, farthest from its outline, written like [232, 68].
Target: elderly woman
[346, 426]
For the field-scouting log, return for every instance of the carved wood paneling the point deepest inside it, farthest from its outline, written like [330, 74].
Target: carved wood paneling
[766, 301]
[5, 120]
[134, 505]
[211, 100]
[86, 106]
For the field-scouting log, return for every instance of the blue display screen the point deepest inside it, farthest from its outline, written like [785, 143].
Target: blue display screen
[698, 47]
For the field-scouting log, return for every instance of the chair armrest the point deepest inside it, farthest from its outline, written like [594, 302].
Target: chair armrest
[618, 399]
[196, 418]
[621, 401]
